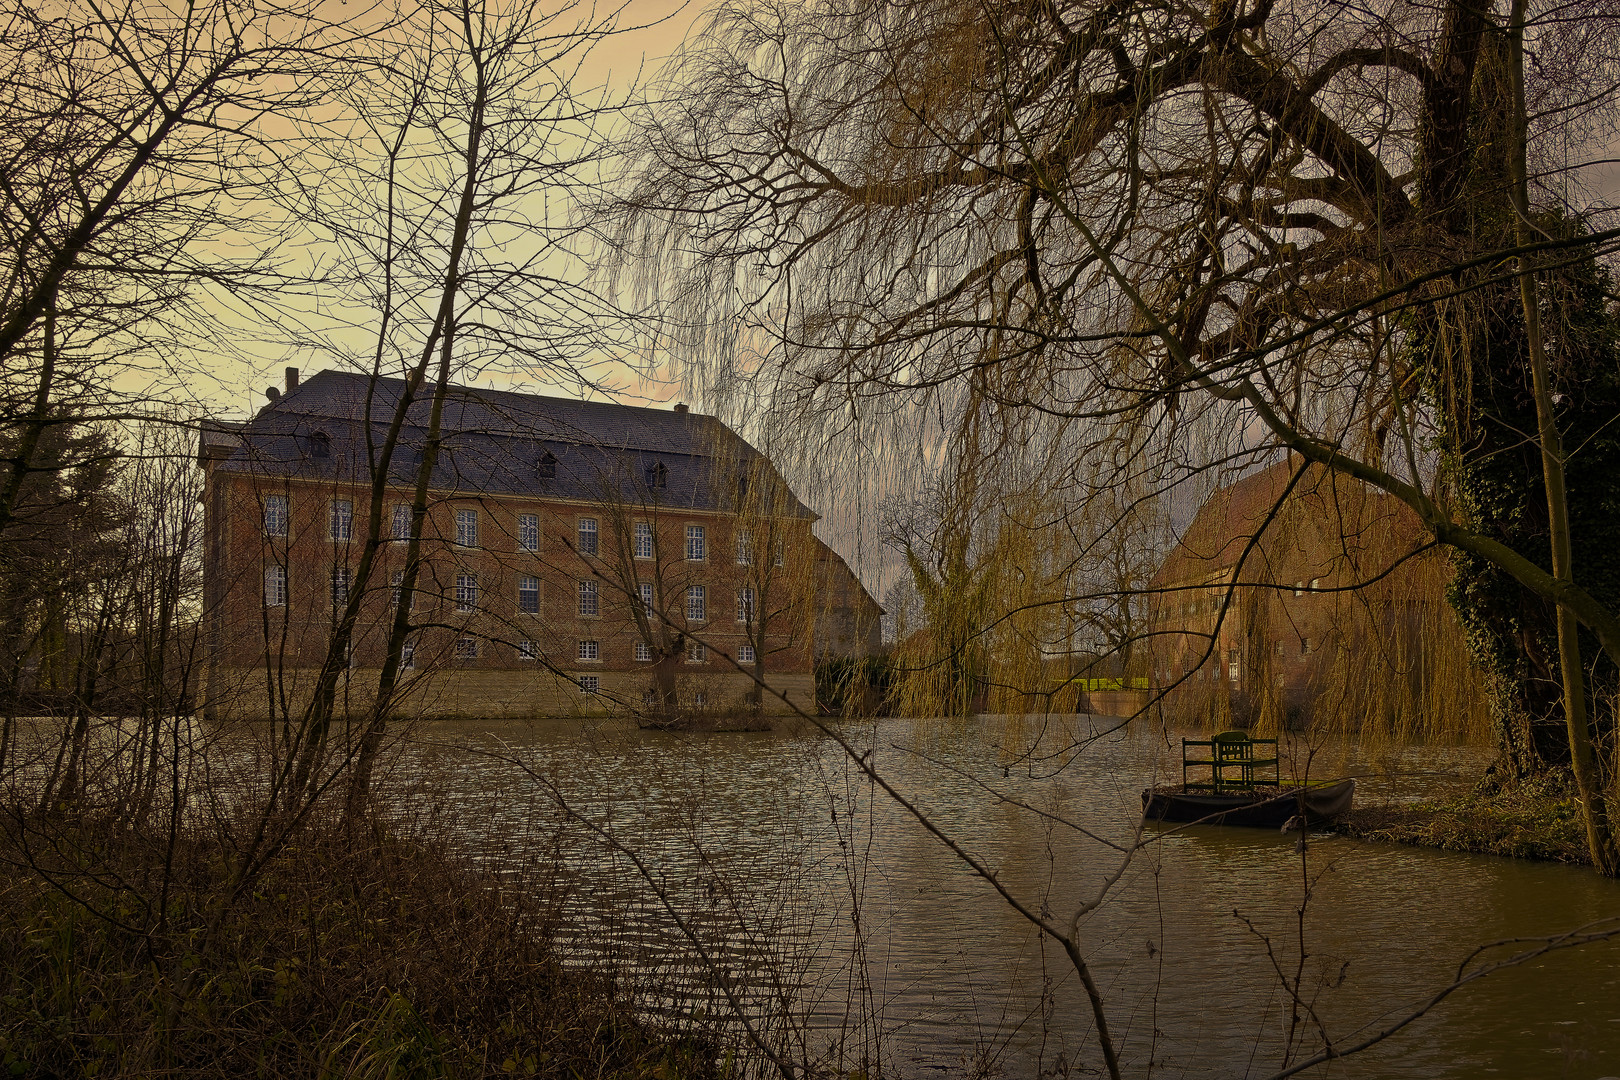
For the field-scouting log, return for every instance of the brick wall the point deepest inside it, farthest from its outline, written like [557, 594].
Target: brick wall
[279, 553]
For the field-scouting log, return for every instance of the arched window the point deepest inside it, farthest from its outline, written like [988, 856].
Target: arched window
[548, 466]
[657, 476]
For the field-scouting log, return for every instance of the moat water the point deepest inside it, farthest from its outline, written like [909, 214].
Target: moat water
[762, 871]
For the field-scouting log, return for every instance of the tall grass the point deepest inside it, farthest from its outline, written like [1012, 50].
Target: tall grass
[348, 956]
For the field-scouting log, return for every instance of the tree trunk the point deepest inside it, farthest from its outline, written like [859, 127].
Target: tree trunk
[1583, 759]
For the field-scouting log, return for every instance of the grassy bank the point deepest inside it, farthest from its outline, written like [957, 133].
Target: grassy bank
[1539, 819]
[377, 958]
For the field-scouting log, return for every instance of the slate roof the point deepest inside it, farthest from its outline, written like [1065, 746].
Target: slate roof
[494, 442]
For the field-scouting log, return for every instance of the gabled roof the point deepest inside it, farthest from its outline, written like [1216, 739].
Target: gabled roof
[832, 570]
[494, 442]
[1332, 516]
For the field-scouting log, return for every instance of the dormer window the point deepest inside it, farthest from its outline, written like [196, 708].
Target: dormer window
[548, 466]
[657, 476]
[320, 445]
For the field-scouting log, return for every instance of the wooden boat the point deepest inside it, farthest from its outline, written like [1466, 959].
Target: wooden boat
[1261, 805]
[1239, 791]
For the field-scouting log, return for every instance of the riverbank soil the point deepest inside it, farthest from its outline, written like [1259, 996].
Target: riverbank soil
[365, 958]
[1535, 819]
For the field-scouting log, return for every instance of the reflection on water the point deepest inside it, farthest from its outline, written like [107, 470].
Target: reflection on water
[843, 923]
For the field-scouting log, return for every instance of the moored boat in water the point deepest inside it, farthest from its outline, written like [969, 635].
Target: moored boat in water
[1238, 790]
[1262, 805]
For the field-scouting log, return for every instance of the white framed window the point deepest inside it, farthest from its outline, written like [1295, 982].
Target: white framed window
[590, 684]
[587, 536]
[466, 648]
[745, 654]
[1316, 583]
[1279, 648]
[340, 519]
[1299, 588]
[528, 532]
[642, 540]
[275, 515]
[646, 591]
[342, 578]
[643, 652]
[745, 604]
[467, 528]
[700, 699]
[400, 523]
[745, 548]
[397, 582]
[697, 603]
[590, 651]
[528, 594]
[776, 553]
[696, 652]
[1304, 646]
[526, 650]
[407, 656]
[588, 604]
[275, 586]
[697, 543]
[466, 591]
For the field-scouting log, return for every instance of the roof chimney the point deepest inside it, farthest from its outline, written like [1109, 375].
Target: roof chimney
[680, 406]
[292, 379]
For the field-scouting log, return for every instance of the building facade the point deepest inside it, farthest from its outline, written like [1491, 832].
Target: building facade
[849, 621]
[572, 558]
[1309, 600]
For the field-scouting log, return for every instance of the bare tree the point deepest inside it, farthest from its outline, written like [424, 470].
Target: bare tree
[1210, 233]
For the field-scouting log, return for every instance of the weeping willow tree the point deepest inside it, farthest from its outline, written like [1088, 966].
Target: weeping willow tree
[1201, 231]
[1336, 614]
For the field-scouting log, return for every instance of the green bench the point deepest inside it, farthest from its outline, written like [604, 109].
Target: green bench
[1234, 763]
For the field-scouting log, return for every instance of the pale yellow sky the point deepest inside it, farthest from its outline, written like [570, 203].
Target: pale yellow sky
[232, 381]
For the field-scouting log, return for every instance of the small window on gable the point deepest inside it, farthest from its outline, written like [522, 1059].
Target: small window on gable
[548, 466]
[320, 445]
[657, 476]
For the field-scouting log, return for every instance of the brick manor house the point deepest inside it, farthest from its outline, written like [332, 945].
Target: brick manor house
[569, 548]
[1319, 603]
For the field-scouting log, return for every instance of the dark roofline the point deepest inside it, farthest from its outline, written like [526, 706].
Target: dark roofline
[303, 400]
[494, 429]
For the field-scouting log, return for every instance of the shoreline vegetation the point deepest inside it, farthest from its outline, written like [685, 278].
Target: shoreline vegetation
[1538, 819]
[350, 956]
